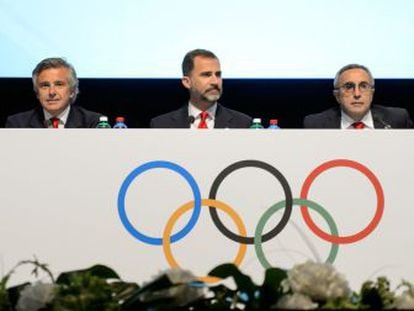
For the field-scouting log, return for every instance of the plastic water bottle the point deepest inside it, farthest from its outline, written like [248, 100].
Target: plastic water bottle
[103, 123]
[256, 124]
[273, 124]
[120, 123]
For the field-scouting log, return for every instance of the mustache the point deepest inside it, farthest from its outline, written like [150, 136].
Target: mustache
[214, 88]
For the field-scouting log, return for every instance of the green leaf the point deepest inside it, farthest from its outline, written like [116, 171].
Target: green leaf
[123, 290]
[4, 295]
[271, 290]
[137, 297]
[377, 295]
[99, 271]
[274, 278]
[244, 282]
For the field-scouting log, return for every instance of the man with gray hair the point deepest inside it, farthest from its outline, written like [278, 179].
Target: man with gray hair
[354, 89]
[56, 87]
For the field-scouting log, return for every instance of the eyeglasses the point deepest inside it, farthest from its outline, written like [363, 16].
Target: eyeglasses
[349, 87]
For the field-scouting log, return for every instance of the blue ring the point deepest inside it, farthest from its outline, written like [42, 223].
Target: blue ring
[143, 168]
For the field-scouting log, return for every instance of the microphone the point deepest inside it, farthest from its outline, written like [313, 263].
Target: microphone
[191, 120]
[385, 124]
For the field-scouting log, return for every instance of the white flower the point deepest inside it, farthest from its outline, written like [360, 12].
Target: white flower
[319, 281]
[34, 297]
[296, 301]
[406, 299]
[182, 294]
[404, 302]
[179, 276]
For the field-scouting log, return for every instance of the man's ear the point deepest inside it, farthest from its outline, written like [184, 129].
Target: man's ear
[72, 93]
[186, 82]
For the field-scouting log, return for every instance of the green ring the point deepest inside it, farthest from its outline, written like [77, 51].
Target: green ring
[298, 202]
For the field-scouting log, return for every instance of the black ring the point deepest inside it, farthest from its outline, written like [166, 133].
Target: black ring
[288, 198]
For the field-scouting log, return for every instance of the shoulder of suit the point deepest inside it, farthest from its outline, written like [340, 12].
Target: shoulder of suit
[24, 115]
[389, 109]
[235, 112]
[324, 119]
[85, 111]
[334, 111]
[174, 114]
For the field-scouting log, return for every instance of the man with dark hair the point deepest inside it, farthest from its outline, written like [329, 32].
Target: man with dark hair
[354, 91]
[56, 86]
[202, 78]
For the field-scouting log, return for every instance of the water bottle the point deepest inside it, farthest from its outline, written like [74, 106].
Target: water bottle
[103, 123]
[256, 124]
[273, 124]
[120, 123]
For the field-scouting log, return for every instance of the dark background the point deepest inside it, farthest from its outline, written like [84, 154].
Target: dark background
[138, 100]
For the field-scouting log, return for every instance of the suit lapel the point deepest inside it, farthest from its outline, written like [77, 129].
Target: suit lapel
[334, 119]
[38, 119]
[223, 117]
[377, 118]
[74, 118]
[180, 118]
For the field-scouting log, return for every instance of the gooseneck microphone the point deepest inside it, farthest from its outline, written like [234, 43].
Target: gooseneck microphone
[191, 120]
[385, 124]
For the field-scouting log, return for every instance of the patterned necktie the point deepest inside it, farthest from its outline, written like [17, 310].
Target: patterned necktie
[55, 122]
[203, 119]
[358, 125]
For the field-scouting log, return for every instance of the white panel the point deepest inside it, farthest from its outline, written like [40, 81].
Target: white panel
[59, 193]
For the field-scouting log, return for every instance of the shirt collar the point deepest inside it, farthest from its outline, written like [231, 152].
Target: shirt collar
[63, 116]
[347, 121]
[195, 112]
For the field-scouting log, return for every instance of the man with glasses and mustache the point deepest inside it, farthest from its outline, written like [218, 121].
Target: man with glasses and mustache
[354, 91]
[202, 78]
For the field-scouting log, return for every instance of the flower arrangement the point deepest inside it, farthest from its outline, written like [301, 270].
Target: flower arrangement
[306, 286]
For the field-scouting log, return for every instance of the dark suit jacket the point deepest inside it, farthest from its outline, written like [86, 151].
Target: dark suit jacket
[225, 118]
[384, 117]
[78, 118]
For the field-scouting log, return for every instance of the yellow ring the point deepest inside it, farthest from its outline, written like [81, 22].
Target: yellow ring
[166, 244]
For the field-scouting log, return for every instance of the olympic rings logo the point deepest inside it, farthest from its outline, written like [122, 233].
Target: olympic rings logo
[241, 236]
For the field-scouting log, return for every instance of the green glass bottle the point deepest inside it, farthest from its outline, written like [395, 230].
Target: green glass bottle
[256, 124]
[103, 123]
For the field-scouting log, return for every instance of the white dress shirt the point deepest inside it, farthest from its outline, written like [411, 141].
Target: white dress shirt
[63, 117]
[347, 121]
[193, 111]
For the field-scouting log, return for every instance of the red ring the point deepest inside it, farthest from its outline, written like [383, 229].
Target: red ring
[380, 201]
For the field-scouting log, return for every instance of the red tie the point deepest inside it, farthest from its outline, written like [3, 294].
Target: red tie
[55, 122]
[358, 125]
[203, 118]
